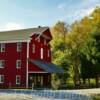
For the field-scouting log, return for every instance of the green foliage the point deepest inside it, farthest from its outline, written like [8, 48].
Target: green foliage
[90, 59]
[96, 97]
[77, 50]
[59, 53]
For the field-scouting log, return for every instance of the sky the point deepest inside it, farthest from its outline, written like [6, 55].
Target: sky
[17, 14]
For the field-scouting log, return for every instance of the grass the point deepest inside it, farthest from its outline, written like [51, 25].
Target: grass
[96, 97]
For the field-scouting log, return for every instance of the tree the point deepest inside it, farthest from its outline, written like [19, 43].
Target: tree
[91, 48]
[78, 47]
[75, 41]
[59, 32]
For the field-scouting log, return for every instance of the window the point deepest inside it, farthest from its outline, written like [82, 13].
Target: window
[41, 53]
[18, 79]
[2, 47]
[2, 63]
[18, 64]
[33, 48]
[1, 78]
[19, 47]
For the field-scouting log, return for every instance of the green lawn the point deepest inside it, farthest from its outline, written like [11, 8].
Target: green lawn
[96, 97]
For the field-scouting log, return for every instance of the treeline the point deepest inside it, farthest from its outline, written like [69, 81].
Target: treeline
[76, 48]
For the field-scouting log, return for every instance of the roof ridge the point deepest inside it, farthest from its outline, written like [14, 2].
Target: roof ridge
[23, 29]
[22, 34]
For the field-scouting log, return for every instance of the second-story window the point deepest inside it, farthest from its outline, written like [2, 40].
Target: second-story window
[41, 53]
[2, 63]
[19, 47]
[18, 64]
[2, 47]
[33, 48]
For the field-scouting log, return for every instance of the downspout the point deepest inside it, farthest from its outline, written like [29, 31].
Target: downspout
[27, 64]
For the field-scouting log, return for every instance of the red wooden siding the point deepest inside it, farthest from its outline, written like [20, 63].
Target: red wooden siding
[11, 56]
[38, 46]
[34, 68]
[10, 71]
[47, 33]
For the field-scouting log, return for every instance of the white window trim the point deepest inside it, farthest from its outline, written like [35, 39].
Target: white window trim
[2, 47]
[18, 67]
[18, 76]
[0, 78]
[41, 55]
[1, 64]
[33, 48]
[19, 48]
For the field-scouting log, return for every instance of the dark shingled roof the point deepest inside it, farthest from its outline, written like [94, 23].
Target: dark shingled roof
[47, 66]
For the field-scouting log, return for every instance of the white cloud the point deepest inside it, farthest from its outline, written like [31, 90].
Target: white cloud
[13, 26]
[91, 1]
[77, 15]
[83, 12]
[61, 6]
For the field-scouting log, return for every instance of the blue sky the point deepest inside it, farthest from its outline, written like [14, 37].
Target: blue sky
[15, 14]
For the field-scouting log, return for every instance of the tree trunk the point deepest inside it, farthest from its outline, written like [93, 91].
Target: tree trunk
[97, 81]
[84, 81]
[89, 82]
[76, 75]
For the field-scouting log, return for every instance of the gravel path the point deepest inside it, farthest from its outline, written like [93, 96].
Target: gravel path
[5, 96]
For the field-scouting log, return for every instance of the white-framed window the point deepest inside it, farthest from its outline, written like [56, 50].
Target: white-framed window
[41, 53]
[2, 63]
[1, 78]
[18, 63]
[2, 47]
[18, 79]
[19, 46]
[33, 48]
